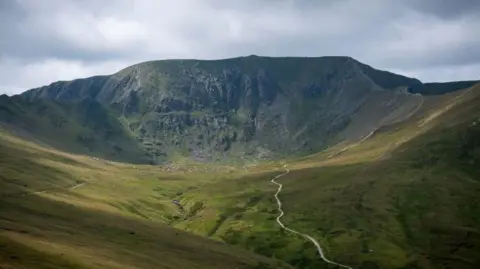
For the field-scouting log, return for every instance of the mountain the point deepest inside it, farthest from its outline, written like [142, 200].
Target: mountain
[82, 126]
[247, 108]
[405, 197]
[382, 169]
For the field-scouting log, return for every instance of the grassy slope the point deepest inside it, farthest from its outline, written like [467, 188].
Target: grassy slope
[113, 221]
[401, 199]
[83, 127]
[385, 204]
[405, 198]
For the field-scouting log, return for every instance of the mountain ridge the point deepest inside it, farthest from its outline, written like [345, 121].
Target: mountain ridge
[392, 181]
[245, 108]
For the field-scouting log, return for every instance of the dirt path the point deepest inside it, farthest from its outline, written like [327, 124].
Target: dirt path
[311, 239]
[353, 145]
[76, 186]
[69, 188]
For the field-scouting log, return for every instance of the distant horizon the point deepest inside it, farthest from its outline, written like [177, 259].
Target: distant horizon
[221, 59]
[48, 41]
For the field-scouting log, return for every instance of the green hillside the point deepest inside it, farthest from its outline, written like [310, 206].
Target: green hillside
[380, 177]
[83, 126]
[242, 109]
[404, 198]
[64, 211]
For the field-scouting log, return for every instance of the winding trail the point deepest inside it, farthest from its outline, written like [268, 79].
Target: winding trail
[44, 191]
[354, 144]
[279, 203]
[76, 186]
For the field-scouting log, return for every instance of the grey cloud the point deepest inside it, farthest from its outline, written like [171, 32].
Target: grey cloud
[460, 54]
[446, 9]
[88, 37]
[32, 30]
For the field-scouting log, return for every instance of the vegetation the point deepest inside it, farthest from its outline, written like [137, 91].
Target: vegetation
[84, 127]
[48, 219]
[406, 197]
[229, 110]
[441, 88]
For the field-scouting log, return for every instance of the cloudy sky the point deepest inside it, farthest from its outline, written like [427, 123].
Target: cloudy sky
[42, 41]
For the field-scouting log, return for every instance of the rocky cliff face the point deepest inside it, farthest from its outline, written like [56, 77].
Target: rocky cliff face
[244, 108]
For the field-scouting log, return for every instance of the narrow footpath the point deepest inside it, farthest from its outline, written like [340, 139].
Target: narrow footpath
[279, 204]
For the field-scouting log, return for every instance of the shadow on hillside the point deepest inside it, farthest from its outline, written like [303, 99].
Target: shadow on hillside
[112, 237]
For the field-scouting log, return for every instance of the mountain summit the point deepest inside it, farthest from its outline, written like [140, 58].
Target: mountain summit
[244, 108]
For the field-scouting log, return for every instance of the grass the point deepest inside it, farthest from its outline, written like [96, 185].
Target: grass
[405, 198]
[116, 220]
[388, 205]
[401, 199]
[83, 127]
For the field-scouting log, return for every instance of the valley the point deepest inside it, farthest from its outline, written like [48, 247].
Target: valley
[197, 164]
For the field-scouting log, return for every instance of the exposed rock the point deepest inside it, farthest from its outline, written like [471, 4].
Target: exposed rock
[248, 107]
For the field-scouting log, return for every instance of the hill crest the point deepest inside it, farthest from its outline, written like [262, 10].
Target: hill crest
[245, 108]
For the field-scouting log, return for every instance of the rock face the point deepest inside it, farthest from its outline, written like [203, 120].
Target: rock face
[243, 108]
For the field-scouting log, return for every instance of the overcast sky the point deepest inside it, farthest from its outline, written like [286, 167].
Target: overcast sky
[42, 41]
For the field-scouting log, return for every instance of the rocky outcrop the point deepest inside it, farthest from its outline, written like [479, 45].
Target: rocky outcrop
[247, 107]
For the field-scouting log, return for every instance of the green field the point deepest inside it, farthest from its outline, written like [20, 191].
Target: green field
[407, 197]
[117, 219]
